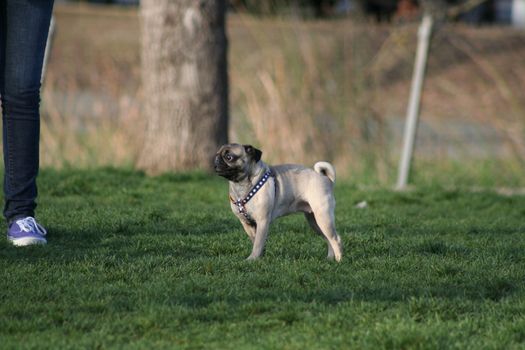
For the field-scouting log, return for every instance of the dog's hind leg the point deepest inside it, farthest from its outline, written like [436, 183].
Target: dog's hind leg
[313, 224]
[325, 221]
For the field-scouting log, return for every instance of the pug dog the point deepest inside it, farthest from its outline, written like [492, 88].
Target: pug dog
[260, 193]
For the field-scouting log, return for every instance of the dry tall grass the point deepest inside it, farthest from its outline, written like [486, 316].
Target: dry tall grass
[301, 91]
[304, 91]
[337, 90]
[89, 130]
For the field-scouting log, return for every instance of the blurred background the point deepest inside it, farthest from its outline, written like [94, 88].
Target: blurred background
[311, 80]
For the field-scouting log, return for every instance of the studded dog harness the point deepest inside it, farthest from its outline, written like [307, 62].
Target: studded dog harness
[240, 203]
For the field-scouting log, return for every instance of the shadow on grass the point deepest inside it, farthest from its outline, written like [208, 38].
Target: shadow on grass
[207, 266]
[494, 290]
[132, 238]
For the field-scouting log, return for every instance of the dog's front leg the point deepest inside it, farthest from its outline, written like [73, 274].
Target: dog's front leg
[261, 232]
[250, 230]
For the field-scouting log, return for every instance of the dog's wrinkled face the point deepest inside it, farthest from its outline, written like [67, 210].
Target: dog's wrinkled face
[235, 162]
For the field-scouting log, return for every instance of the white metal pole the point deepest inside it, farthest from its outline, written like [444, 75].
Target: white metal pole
[409, 137]
[50, 34]
[518, 13]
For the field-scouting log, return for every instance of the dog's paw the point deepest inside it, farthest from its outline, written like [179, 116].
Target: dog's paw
[333, 257]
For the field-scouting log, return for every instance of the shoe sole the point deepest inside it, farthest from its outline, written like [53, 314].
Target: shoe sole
[21, 242]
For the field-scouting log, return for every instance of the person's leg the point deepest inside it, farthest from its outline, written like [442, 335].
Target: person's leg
[24, 25]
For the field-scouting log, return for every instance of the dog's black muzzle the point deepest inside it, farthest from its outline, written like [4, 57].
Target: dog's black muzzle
[224, 170]
[219, 165]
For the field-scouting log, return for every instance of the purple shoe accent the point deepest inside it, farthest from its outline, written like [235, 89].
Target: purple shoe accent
[26, 231]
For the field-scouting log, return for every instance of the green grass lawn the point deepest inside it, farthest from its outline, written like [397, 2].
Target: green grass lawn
[141, 262]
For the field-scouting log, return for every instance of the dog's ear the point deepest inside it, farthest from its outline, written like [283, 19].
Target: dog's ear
[253, 152]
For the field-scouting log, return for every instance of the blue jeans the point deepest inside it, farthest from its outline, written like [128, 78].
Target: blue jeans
[24, 26]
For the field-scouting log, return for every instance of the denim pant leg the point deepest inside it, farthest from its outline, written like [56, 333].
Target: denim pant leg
[24, 26]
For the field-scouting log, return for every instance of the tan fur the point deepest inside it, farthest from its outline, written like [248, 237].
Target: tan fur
[325, 168]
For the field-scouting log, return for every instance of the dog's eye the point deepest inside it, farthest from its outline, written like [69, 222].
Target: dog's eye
[228, 157]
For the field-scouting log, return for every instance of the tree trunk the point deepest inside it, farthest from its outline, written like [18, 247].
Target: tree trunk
[185, 83]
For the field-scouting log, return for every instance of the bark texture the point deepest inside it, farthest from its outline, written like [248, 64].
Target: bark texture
[185, 83]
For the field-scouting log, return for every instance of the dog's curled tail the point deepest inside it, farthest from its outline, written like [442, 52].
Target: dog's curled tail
[326, 169]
